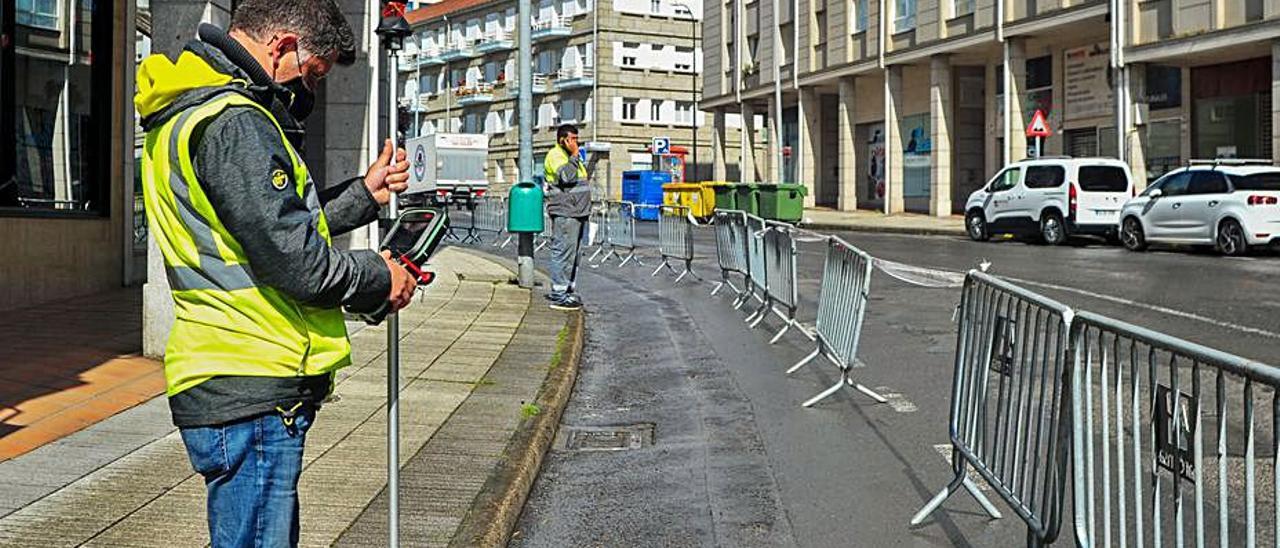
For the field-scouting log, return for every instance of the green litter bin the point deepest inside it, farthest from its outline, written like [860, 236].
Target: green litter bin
[747, 197]
[783, 202]
[726, 195]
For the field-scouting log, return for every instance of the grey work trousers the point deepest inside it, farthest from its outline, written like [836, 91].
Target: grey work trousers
[566, 238]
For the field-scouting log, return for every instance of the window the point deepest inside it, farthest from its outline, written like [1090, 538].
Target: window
[1006, 180]
[1045, 176]
[1103, 179]
[1258, 181]
[963, 7]
[55, 132]
[38, 13]
[1039, 72]
[684, 112]
[820, 48]
[655, 6]
[569, 111]
[1173, 185]
[905, 11]
[682, 10]
[629, 109]
[684, 59]
[491, 71]
[859, 16]
[655, 110]
[1207, 182]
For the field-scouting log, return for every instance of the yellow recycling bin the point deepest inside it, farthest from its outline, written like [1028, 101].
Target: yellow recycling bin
[699, 198]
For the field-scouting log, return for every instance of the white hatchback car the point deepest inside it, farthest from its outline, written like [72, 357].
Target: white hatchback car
[1230, 204]
[1054, 197]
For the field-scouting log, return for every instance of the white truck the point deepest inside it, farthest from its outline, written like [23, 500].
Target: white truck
[448, 168]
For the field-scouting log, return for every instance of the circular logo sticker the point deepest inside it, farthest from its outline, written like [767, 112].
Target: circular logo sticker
[419, 163]
[279, 179]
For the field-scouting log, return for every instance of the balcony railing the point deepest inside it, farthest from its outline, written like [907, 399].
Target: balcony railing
[474, 95]
[459, 50]
[431, 56]
[551, 27]
[540, 85]
[497, 40]
[575, 77]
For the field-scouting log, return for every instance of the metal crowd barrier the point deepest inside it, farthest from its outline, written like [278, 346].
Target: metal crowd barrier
[542, 239]
[756, 279]
[842, 306]
[1154, 462]
[1009, 403]
[620, 233]
[731, 250]
[780, 274]
[675, 241]
[602, 229]
[491, 216]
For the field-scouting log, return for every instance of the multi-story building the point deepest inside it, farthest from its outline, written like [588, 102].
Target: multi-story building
[624, 71]
[900, 104]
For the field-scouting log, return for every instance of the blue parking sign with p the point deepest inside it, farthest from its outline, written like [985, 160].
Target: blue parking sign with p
[661, 145]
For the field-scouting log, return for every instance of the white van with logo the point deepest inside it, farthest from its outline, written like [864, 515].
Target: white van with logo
[1053, 198]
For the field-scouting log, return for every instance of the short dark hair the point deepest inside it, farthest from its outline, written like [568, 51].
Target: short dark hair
[319, 24]
[566, 130]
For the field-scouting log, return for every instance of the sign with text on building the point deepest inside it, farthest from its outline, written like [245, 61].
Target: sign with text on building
[1088, 87]
[661, 145]
[1039, 126]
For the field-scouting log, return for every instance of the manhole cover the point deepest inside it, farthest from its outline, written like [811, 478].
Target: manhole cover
[606, 438]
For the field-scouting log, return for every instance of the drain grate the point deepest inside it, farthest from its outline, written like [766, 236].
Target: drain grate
[606, 438]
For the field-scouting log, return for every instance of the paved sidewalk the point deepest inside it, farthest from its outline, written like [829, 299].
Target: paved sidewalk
[474, 351]
[872, 221]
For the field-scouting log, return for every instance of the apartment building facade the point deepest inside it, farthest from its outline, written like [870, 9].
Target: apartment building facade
[899, 105]
[623, 71]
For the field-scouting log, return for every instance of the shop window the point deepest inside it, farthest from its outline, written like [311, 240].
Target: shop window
[55, 107]
[1040, 72]
[1164, 147]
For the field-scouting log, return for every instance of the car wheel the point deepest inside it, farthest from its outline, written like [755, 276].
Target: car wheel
[976, 226]
[1231, 240]
[1132, 236]
[1052, 230]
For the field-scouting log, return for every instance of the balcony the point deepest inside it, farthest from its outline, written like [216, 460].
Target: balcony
[495, 41]
[540, 82]
[575, 77]
[551, 28]
[457, 51]
[408, 60]
[430, 56]
[409, 105]
[478, 94]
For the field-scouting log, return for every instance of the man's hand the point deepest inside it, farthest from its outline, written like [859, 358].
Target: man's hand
[383, 177]
[402, 283]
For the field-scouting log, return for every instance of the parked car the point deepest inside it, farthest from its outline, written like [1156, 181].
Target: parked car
[1054, 198]
[1229, 204]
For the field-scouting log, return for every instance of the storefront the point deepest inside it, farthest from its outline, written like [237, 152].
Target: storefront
[1231, 110]
[1163, 100]
[1089, 102]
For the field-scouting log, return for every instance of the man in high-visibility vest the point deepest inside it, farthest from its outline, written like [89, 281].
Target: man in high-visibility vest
[569, 206]
[246, 236]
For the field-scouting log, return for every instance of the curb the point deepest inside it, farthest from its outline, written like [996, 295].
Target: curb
[496, 510]
[911, 231]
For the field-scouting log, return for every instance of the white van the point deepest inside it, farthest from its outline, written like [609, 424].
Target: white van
[1053, 197]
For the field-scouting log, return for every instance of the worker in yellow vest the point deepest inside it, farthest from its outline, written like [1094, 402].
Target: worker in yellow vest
[246, 236]
[569, 206]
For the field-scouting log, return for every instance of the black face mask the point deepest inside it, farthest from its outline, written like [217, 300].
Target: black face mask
[303, 101]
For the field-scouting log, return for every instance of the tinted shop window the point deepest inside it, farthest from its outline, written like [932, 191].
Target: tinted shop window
[55, 106]
[1103, 179]
[1044, 176]
[1260, 181]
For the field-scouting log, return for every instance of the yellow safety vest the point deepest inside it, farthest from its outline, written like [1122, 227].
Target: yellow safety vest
[227, 323]
[557, 158]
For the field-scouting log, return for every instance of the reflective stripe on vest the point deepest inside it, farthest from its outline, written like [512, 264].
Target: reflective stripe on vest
[226, 322]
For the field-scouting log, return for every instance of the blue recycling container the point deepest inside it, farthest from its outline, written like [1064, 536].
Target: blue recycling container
[644, 187]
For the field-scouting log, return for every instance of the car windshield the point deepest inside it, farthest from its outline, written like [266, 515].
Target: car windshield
[1257, 181]
[1103, 179]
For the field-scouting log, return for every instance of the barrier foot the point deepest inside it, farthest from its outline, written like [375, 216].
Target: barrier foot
[758, 316]
[659, 269]
[717, 288]
[507, 241]
[593, 255]
[741, 300]
[824, 394]
[982, 499]
[784, 330]
[867, 391]
[805, 361]
[938, 499]
[681, 277]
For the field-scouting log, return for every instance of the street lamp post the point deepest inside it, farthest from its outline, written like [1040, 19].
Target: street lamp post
[693, 78]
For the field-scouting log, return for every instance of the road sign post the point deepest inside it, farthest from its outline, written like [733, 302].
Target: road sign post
[1039, 129]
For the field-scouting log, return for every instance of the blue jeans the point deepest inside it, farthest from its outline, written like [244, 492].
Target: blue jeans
[251, 469]
[566, 236]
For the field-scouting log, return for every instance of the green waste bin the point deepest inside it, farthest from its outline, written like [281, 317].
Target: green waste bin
[783, 202]
[725, 194]
[747, 197]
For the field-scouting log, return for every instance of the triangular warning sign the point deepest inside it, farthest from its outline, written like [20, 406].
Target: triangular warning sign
[1039, 126]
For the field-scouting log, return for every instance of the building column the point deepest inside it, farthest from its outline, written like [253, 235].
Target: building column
[810, 144]
[1015, 97]
[893, 170]
[180, 18]
[1275, 102]
[1134, 141]
[848, 195]
[774, 122]
[718, 169]
[940, 115]
[747, 150]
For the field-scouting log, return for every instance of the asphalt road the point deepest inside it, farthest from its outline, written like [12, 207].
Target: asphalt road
[737, 462]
